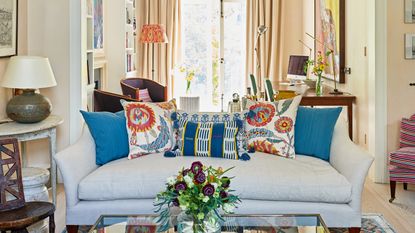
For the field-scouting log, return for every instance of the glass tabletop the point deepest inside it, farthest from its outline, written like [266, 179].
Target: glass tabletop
[298, 223]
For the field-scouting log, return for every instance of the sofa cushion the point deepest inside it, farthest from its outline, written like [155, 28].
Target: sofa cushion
[265, 177]
[270, 126]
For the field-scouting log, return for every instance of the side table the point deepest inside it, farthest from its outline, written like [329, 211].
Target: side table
[28, 132]
[18, 220]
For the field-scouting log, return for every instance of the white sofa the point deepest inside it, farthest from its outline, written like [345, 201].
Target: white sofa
[267, 184]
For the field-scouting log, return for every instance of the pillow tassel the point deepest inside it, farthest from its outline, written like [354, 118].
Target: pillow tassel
[169, 154]
[245, 157]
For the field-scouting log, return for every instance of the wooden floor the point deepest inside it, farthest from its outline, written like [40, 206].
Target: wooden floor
[400, 214]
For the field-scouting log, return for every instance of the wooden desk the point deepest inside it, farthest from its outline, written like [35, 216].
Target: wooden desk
[310, 99]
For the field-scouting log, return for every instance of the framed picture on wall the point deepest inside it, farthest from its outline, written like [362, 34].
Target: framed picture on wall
[409, 11]
[410, 46]
[8, 28]
[329, 26]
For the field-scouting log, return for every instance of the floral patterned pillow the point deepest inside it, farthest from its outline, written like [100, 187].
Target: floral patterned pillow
[270, 126]
[149, 127]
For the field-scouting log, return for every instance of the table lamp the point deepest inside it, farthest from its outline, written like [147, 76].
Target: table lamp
[28, 73]
[153, 34]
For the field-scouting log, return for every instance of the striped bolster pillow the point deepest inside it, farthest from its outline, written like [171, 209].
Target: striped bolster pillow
[208, 139]
[144, 95]
[404, 158]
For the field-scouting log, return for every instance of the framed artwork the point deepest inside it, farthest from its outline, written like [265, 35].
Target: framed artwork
[329, 26]
[98, 25]
[410, 46]
[409, 11]
[8, 28]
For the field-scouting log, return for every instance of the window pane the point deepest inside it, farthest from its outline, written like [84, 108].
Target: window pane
[234, 48]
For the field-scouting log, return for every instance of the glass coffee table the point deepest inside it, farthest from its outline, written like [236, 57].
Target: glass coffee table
[301, 223]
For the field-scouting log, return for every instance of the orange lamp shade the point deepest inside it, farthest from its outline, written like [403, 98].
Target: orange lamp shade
[153, 34]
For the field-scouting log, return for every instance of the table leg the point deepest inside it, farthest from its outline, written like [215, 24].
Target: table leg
[350, 119]
[52, 146]
[52, 223]
[23, 154]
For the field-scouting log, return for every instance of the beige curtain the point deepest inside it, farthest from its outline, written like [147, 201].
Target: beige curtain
[165, 12]
[268, 13]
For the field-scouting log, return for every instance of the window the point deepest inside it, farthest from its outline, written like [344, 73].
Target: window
[213, 43]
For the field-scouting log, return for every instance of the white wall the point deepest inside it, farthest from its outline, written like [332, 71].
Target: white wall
[356, 41]
[49, 34]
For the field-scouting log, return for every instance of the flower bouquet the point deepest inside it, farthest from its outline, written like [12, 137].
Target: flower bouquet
[319, 67]
[189, 73]
[199, 192]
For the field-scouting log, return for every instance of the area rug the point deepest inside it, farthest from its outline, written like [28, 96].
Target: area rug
[371, 223]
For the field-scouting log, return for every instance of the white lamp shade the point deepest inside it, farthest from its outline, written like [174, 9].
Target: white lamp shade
[28, 72]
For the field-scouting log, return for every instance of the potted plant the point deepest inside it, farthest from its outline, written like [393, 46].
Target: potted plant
[200, 192]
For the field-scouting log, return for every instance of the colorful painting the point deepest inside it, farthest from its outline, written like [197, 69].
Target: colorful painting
[329, 33]
[8, 28]
[98, 24]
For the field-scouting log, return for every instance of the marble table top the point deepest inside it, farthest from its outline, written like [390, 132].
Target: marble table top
[14, 128]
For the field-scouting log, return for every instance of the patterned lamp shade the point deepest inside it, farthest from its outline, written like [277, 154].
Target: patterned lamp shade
[153, 34]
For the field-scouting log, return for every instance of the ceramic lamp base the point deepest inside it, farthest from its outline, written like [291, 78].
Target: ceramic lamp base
[28, 107]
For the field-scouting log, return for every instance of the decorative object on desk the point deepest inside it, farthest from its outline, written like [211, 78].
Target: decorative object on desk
[409, 11]
[200, 192]
[8, 39]
[329, 52]
[28, 73]
[254, 85]
[318, 69]
[153, 34]
[410, 46]
[269, 89]
[190, 103]
[330, 18]
[235, 104]
[284, 94]
[11, 185]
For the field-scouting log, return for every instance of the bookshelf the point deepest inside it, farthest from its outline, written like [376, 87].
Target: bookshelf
[93, 59]
[121, 49]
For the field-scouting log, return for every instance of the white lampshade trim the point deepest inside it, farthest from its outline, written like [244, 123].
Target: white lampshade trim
[28, 72]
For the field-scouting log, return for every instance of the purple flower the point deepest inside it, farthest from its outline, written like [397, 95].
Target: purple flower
[223, 194]
[226, 182]
[176, 202]
[180, 186]
[208, 190]
[200, 178]
[196, 167]
[185, 172]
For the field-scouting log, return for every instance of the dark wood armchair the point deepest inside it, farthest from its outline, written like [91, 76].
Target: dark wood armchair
[130, 87]
[108, 102]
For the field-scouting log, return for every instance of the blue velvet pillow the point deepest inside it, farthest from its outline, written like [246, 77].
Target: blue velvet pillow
[314, 130]
[110, 135]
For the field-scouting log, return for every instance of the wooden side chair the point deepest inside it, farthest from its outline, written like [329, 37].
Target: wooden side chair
[16, 214]
[402, 161]
[131, 87]
[253, 84]
[269, 90]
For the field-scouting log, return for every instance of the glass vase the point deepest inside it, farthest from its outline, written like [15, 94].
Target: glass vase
[191, 224]
[319, 86]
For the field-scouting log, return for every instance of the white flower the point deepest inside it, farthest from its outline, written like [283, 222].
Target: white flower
[171, 180]
[183, 207]
[228, 208]
[215, 185]
[205, 199]
[189, 181]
